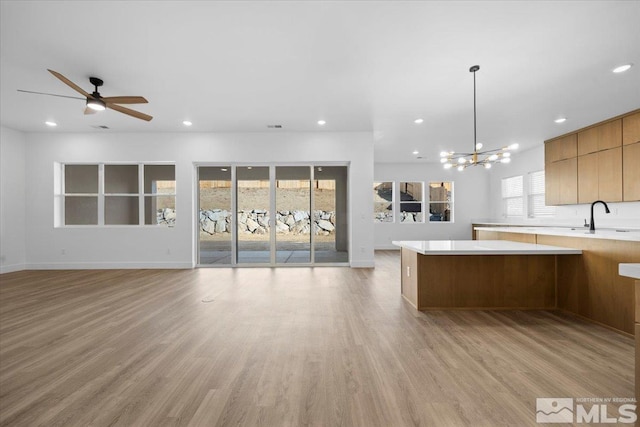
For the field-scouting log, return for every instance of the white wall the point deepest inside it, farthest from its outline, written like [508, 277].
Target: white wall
[625, 214]
[138, 247]
[470, 190]
[12, 201]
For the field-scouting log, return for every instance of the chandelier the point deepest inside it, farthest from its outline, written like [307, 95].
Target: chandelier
[484, 158]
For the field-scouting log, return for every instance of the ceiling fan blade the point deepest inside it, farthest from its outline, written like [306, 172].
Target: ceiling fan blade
[125, 99]
[88, 110]
[50, 94]
[69, 83]
[128, 111]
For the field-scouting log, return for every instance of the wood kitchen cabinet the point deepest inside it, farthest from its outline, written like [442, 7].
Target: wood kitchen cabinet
[562, 148]
[561, 183]
[600, 176]
[600, 162]
[631, 129]
[601, 137]
[631, 172]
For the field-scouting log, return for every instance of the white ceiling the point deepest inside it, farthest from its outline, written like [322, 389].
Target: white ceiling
[361, 66]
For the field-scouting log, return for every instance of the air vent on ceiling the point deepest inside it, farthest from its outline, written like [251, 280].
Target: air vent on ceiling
[274, 126]
[100, 127]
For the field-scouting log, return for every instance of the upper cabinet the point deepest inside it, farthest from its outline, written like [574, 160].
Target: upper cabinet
[600, 137]
[631, 129]
[562, 148]
[599, 162]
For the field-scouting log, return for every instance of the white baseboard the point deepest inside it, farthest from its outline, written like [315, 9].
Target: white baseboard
[388, 247]
[108, 265]
[363, 264]
[12, 268]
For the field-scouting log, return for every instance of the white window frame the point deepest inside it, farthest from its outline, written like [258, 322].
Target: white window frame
[60, 193]
[536, 191]
[449, 202]
[512, 197]
[393, 202]
[421, 201]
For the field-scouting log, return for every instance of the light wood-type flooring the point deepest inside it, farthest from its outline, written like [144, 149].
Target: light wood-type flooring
[322, 346]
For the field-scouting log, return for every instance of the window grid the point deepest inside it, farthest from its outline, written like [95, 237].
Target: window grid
[383, 201]
[411, 197]
[99, 208]
[536, 197]
[512, 196]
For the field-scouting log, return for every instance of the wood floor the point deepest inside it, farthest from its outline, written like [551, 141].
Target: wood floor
[282, 347]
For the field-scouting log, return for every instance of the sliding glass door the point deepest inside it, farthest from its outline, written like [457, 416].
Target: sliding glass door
[215, 215]
[293, 214]
[272, 215]
[253, 188]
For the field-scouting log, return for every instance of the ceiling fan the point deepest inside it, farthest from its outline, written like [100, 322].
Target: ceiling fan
[96, 102]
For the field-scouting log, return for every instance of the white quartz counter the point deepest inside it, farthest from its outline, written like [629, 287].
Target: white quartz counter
[608, 233]
[481, 247]
[629, 270]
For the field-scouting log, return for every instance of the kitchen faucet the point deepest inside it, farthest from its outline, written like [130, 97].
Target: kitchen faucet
[592, 225]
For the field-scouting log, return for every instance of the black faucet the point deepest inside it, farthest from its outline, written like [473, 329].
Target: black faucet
[592, 225]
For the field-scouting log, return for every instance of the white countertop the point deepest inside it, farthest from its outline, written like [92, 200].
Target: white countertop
[629, 270]
[481, 247]
[602, 233]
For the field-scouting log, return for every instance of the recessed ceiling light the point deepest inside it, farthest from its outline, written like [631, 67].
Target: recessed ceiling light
[51, 124]
[187, 123]
[418, 121]
[416, 152]
[322, 122]
[560, 120]
[622, 68]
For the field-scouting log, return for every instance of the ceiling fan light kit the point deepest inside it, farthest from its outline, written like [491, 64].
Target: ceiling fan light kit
[484, 158]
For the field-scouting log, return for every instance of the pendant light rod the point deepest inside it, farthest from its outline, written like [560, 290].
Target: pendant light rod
[473, 69]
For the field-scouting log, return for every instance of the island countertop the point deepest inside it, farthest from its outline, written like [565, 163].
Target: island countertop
[629, 270]
[481, 247]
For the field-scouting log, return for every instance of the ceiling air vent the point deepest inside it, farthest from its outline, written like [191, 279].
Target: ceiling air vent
[100, 127]
[274, 126]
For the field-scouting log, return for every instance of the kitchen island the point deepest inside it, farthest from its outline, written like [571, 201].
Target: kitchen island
[471, 274]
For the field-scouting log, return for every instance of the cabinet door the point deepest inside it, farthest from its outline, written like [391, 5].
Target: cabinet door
[588, 178]
[561, 182]
[601, 137]
[551, 184]
[561, 148]
[631, 129]
[631, 172]
[610, 175]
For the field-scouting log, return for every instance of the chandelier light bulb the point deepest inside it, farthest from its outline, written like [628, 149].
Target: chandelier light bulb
[460, 168]
[444, 154]
[462, 160]
[479, 145]
[507, 154]
[448, 165]
[513, 146]
[505, 160]
[493, 157]
[487, 165]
